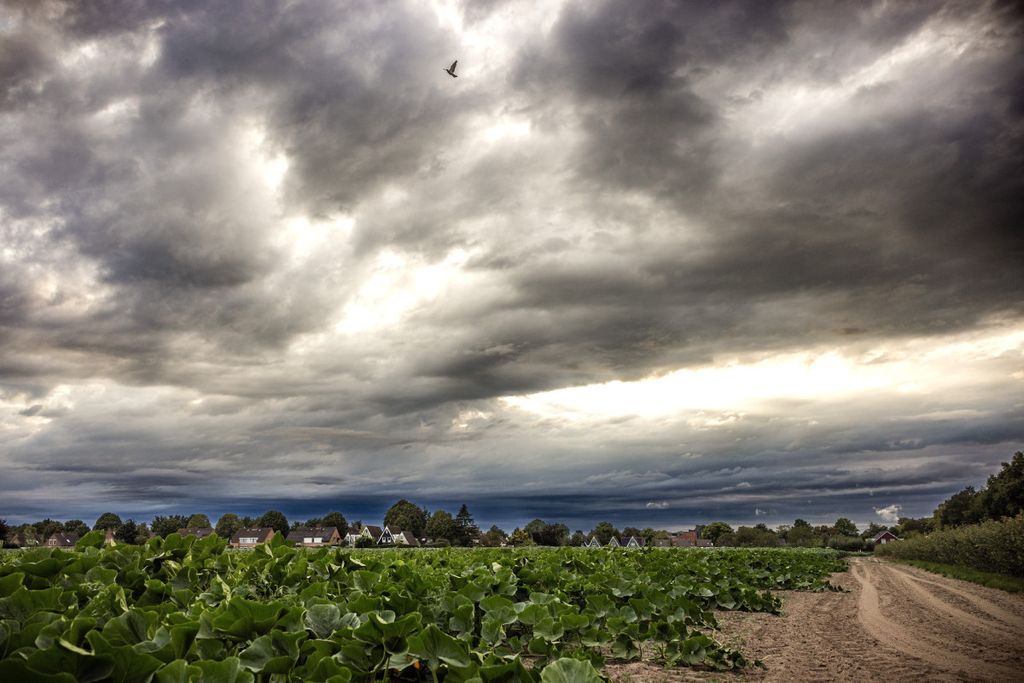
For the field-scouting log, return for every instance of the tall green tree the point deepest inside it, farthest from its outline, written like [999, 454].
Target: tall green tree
[165, 525]
[519, 537]
[108, 520]
[713, 532]
[555, 534]
[142, 533]
[198, 521]
[228, 525]
[336, 519]
[754, 537]
[845, 527]
[604, 532]
[406, 516]
[543, 533]
[275, 520]
[466, 529]
[127, 532]
[493, 537]
[441, 527]
[76, 526]
[910, 526]
[536, 529]
[48, 527]
[1004, 493]
[965, 507]
[803, 537]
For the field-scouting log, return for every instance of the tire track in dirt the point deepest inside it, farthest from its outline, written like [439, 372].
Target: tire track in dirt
[1011, 620]
[878, 629]
[894, 635]
[990, 629]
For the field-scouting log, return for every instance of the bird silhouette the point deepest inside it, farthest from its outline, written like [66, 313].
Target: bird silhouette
[451, 70]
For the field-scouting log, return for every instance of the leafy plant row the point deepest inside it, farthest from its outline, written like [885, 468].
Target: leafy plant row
[993, 546]
[180, 609]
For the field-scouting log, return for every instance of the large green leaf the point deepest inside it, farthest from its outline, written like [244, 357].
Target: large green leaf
[533, 613]
[85, 668]
[496, 602]
[382, 628]
[567, 670]
[134, 626]
[10, 583]
[625, 648]
[227, 671]
[510, 672]
[244, 619]
[274, 653]
[434, 647]
[177, 671]
[22, 603]
[93, 539]
[323, 619]
[463, 619]
[549, 629]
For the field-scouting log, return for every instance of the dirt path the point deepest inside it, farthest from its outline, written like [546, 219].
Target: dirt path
[893, 623]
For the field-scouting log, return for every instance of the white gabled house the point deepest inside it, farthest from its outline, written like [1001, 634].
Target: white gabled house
[634, 542]
[391, 536]
[614, 543]
[366, 531]
[592, 543]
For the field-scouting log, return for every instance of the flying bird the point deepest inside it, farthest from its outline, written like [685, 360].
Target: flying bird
[451, 70]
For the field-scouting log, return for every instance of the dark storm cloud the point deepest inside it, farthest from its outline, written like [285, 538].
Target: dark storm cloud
[607, 192]
[927, 201]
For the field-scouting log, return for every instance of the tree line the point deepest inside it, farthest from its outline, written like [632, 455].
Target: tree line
[441, 526]
[1001, 497]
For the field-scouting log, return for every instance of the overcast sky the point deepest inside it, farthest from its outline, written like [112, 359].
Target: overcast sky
[655, 263]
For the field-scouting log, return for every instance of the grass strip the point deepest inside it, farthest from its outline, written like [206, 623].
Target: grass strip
[1010, 584]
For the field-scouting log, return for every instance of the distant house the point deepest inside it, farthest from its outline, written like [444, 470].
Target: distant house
[62, 540]
[684, 539]
[367, 531]
[634, 542]
[314, 537]
[614, 543]
[198, 532]
[592, 543]
[17, 539]
[406, 538]
[250, 538]
[394, 536]
[704, 543]
[885, 537]
[108, 537]
[663, 543]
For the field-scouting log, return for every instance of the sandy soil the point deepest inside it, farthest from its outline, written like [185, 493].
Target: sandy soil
[894, 623]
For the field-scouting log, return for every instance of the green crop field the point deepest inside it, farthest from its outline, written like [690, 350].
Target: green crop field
[178, 609]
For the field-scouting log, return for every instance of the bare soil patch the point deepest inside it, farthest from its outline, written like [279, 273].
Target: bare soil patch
[893, 623]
